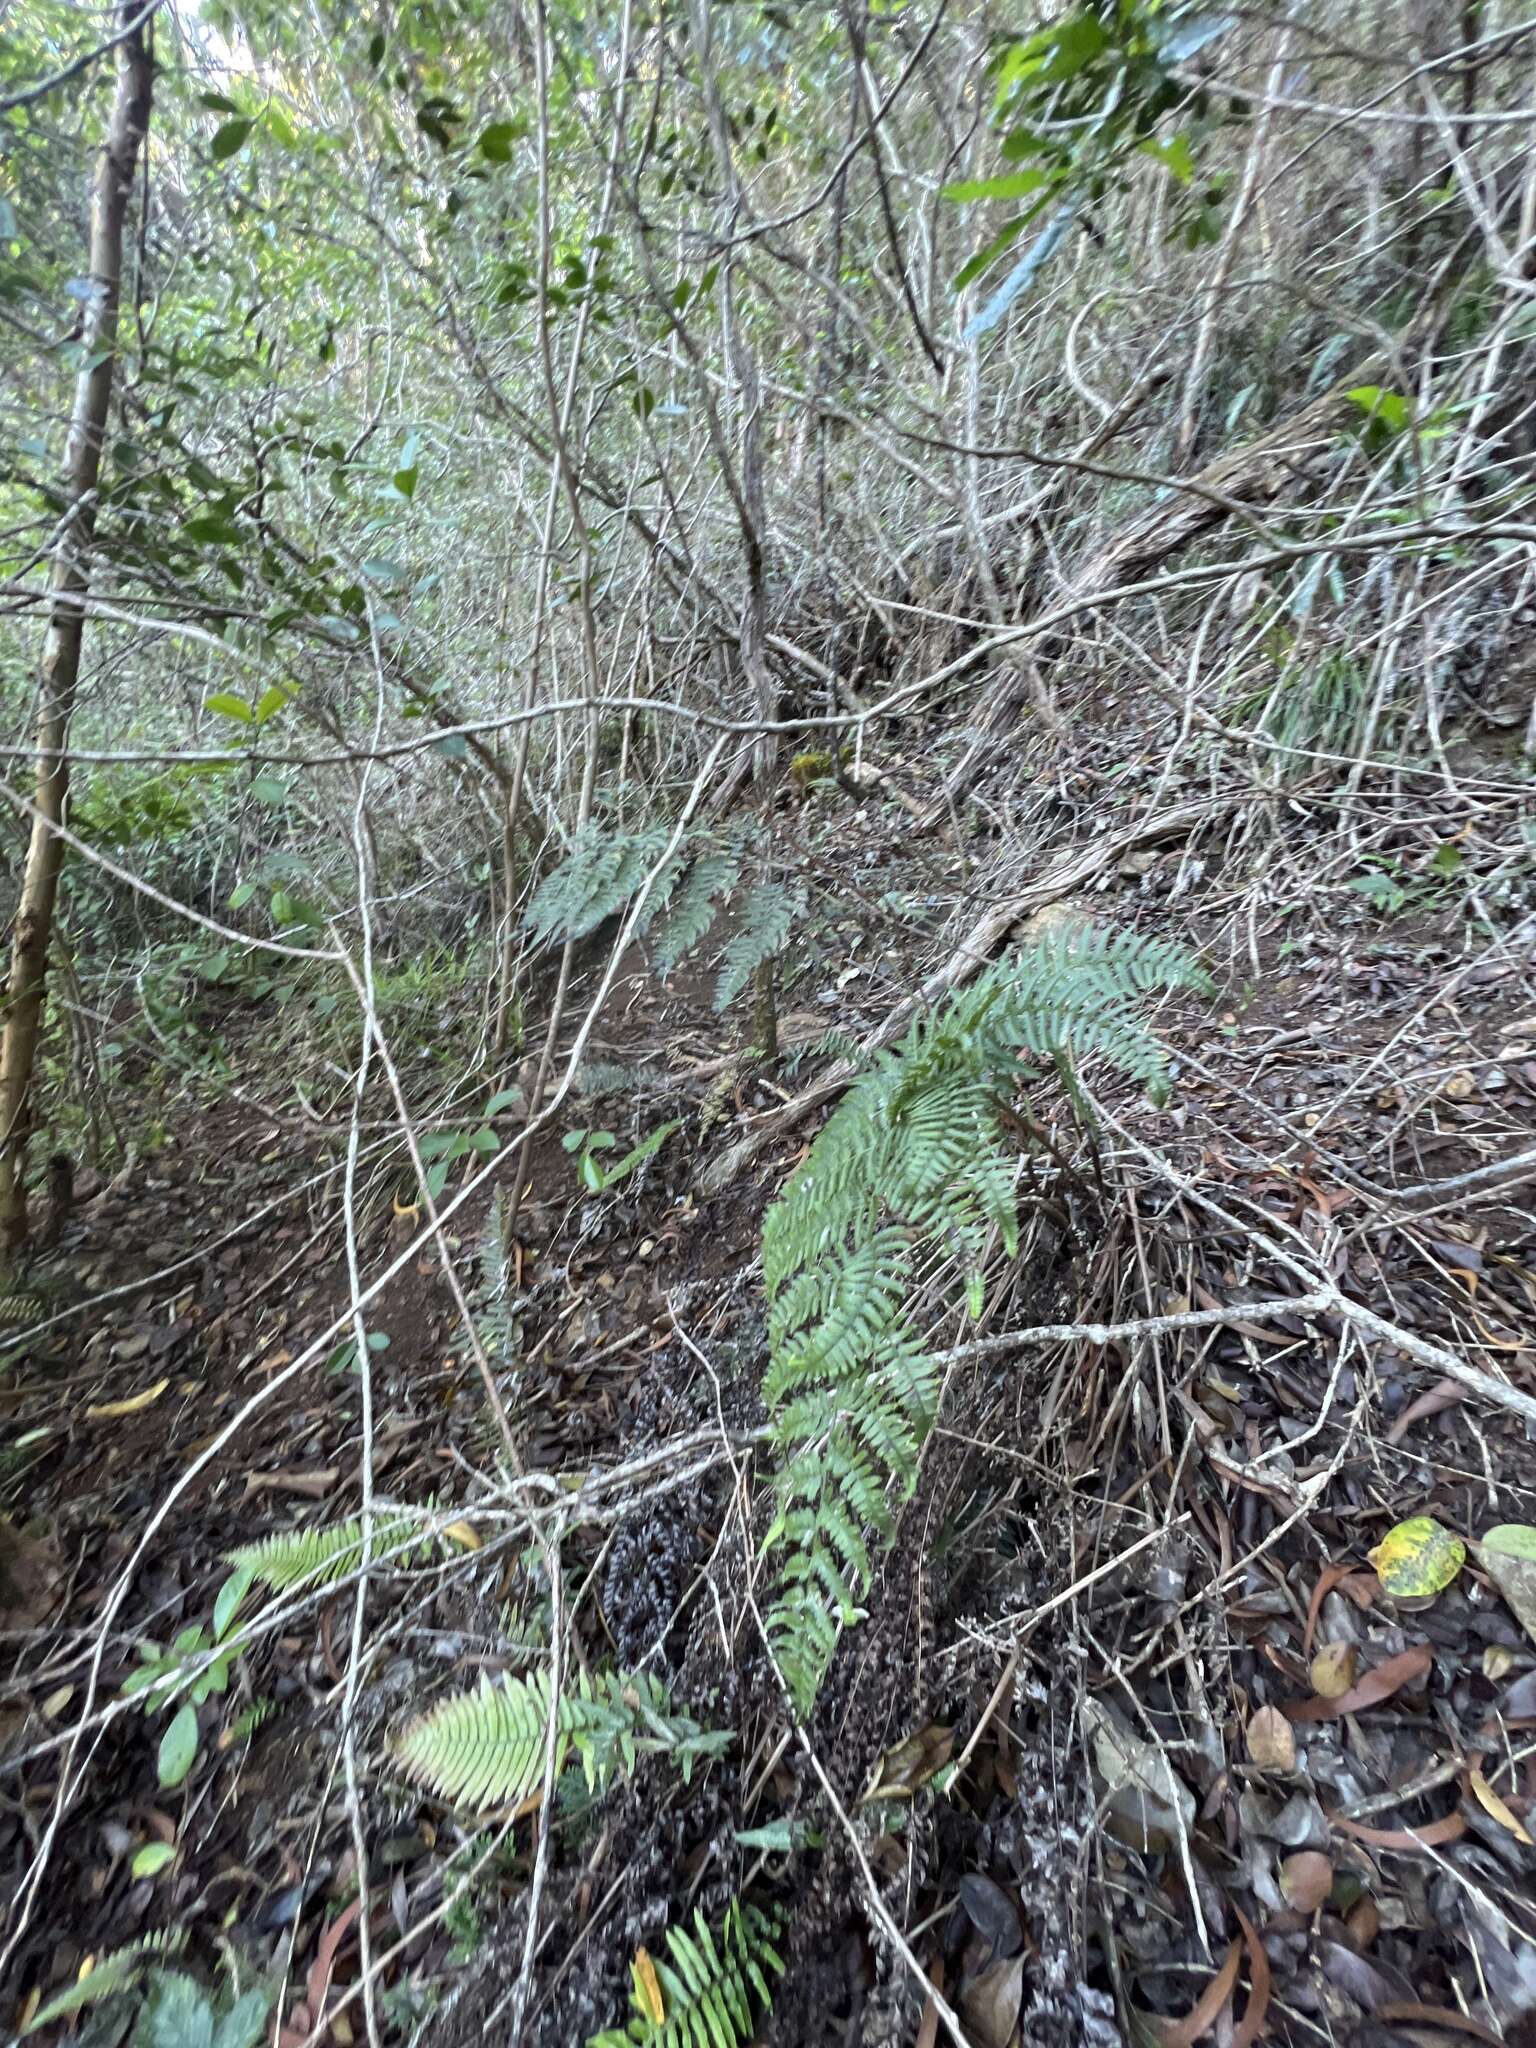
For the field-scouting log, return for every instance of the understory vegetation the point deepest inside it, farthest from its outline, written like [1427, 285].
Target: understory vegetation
[769, 1045]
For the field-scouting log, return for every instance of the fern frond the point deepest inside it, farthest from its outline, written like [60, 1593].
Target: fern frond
[317, 1557]
[122, 1970]
[711, 873]
[496, 1314]
[767, 915]
[911, 1164]
[712, 1989]
[487, 1748]
[599, 874]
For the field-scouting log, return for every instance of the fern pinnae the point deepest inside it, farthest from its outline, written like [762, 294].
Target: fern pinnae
[912, 1163]
[711, 1987]
[695, 904]
[487, 1747]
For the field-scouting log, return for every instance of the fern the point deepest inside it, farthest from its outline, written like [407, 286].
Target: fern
[317, 1557]
[910, 1165]
[711, 873]
[768, 914]
[122, 1970]
[487, 1748]
[496, 1320]
[599, 874]
[708, 1989]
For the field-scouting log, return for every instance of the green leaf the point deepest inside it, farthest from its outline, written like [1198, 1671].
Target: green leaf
[1389, 407]
[1511, 1539]
[230, 138]
[496, 141]
[152, 1859]
[1008, 185]
[178, 1747]
[211, 528]
[229, 705]
[270, 702]
[1174, 156]
[227, 1602]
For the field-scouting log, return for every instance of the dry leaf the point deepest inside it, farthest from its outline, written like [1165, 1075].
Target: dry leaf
[1333, 1670]
[1418, 1558]
[466, 1536]
[990, 2004]
[648, 1988]
[1306, 1879]
[1491, 1803]
[107, 1411]
[1271, 1742]
[1378, 1684]
[1206, 2009]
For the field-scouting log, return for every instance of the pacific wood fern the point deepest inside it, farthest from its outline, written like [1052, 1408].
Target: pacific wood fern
[487, 1747]
[910, 1165]
[708, 1991]
[317, 1556]
[767, 915]
[598, 876]
[603, 870]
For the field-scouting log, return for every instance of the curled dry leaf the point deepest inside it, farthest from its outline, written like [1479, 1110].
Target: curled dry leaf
[1306, 1879]
[1203, 2014]
[1271, 1742]
[109, 1411]
[1378, 1684]
[1333, 1670]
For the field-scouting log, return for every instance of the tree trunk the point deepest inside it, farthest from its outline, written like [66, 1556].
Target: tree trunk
[69, 585]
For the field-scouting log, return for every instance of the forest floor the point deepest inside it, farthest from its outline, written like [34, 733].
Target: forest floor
[1133, 1726]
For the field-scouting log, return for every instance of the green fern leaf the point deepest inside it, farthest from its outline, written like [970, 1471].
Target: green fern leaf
[911, 1167]
[317, 1557]
[767, 915]
[712, 1989]
[122, 1970]
[710, 874]
[487, 1748]
[599, 874]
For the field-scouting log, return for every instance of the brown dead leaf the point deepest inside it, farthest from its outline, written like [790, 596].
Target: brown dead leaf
[1203, 2014]
[312, 1485]
[1333, 1670]
[1257, 2010]
[1433, 1836]
[991, 2003]
[1444, 1394]
[31, 1578]
[1271, 1742]
[1378, 1684]
[1348, 1581]
[1306, 1879]
[1491, 1803]
[1401, 2011]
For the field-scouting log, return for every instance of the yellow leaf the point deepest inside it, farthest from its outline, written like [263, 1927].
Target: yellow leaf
[1490, 1802]
[648, 1988]
[1418, 1558]
[1333, 1670]
[464, 1534]
[109, 1410]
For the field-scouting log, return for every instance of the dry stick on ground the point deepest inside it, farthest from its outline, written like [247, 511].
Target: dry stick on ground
[972, 954]
[1322, 1290]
